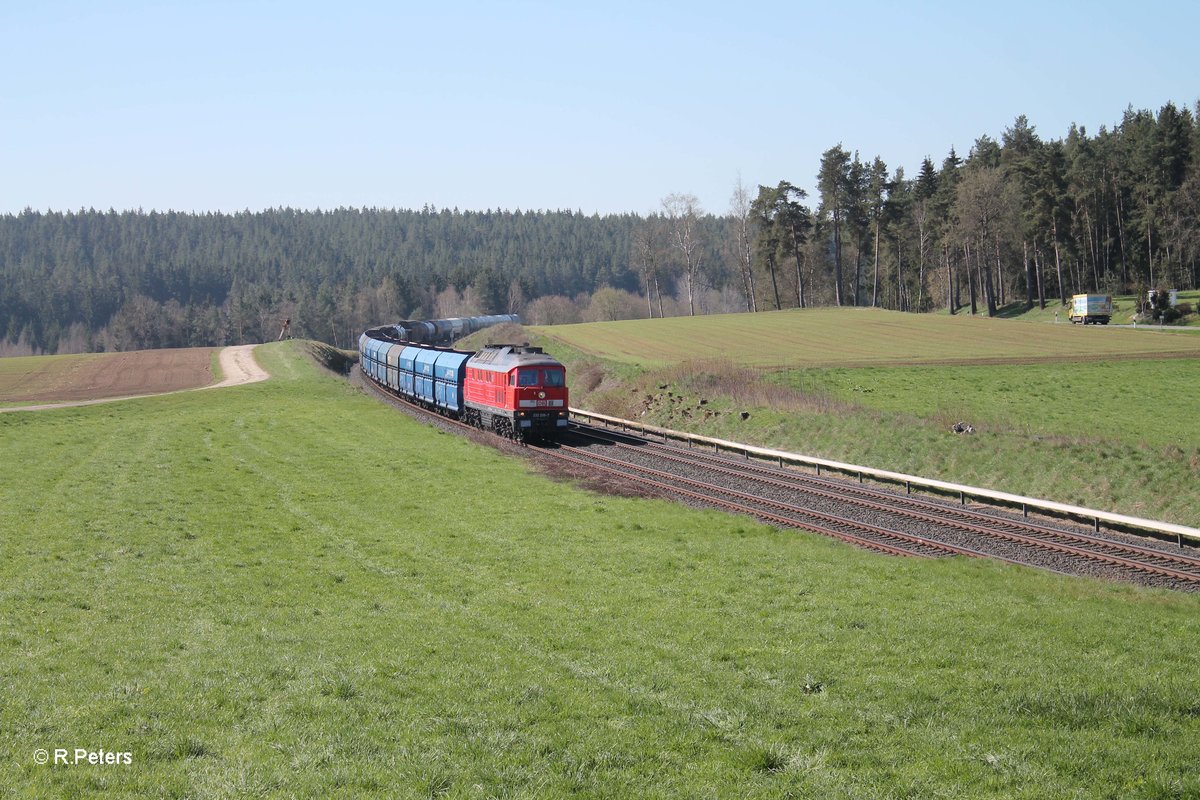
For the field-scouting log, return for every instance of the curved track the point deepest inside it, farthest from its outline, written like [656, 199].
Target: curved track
[869, 517]
[993, 534]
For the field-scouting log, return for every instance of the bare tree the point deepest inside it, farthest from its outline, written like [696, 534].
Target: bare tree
[516, 297]
[920, 213]
[647, 255]
[876, 179]
[739, 210]
[683, 212]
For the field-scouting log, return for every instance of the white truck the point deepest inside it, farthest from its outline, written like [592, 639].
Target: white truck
[1091, 309]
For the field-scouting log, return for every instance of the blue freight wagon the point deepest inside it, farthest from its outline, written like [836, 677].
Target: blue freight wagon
[423, 375]
[449, 371]
[408, 368]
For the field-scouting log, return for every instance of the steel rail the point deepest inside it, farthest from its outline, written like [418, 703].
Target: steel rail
[1179, 532]
[623, 469]
[1036, 542]
[926, 511]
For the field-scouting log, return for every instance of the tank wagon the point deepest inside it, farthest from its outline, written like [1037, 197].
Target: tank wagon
[444, 331]
[517, 391]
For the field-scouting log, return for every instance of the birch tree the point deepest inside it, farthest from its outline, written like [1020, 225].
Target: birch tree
[740, 211]
[682, 212]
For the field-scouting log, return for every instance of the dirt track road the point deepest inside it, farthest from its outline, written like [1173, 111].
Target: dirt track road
[237, 364]
[240, 367]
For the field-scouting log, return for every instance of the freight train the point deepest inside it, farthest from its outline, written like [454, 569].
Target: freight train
[517, 391]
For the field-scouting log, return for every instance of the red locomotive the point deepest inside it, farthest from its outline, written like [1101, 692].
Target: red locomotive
[516, 391]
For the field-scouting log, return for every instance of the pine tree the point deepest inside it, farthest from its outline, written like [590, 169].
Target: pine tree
[833, 181]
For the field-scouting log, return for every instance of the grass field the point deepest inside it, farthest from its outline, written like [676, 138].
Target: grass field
[290, 590]
[830, 337]
[1130, 401]
[1070, 414]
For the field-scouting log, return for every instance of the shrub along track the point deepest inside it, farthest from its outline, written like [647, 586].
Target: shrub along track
[873, 518]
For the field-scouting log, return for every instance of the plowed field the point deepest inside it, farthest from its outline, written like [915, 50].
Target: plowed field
[103, 375]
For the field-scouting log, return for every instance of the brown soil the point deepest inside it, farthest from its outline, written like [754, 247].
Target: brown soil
[114, 375]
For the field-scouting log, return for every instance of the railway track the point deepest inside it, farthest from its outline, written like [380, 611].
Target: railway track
[872, 518]
[976, 533]
[865, 535]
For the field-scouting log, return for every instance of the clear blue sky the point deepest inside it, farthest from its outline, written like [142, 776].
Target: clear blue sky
[600, 106]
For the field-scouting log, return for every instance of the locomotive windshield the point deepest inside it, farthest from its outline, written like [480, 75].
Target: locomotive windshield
[552, 378]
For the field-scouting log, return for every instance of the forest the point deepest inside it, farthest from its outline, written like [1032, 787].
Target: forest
[1022, 220]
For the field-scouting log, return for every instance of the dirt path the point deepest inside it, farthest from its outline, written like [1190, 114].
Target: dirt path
[237, 364]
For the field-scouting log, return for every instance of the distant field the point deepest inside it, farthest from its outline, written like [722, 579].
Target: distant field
[291, 590]
[828, 337]
[44, 379]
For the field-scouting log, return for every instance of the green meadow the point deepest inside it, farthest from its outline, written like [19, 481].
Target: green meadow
[289, 589]
[1147, 401]
[1099, 417]
[833, 337]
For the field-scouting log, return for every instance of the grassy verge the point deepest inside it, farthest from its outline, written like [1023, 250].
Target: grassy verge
[218, 374]
[332, 358]
[287, 589]
[1047, 442]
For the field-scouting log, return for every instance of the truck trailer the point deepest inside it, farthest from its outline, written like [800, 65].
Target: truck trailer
[1091, 309]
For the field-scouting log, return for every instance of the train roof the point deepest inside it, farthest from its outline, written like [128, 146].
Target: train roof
[507, 356]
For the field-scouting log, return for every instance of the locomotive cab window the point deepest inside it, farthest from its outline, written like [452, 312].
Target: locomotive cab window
[527, 377]
[552, 378]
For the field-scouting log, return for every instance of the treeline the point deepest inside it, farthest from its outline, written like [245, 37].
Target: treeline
[120, 280]
[1021, 220]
